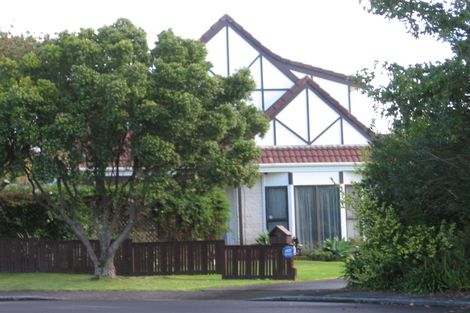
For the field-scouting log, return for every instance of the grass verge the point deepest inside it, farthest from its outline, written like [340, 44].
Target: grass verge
[306, 271]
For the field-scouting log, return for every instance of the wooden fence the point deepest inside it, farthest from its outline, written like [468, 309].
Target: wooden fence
[248, 262]
[189, 257]
[153, 258]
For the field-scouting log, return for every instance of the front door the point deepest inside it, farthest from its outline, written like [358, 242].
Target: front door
[276, 207]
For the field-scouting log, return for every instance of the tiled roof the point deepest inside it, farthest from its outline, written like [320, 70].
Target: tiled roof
[312, 154]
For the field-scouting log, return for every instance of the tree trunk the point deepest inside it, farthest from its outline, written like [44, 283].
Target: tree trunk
[106, 268]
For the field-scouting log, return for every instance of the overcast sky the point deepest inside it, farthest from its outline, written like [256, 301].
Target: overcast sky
[333, 34]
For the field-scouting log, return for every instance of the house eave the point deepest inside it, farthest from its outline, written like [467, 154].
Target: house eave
[305, 167]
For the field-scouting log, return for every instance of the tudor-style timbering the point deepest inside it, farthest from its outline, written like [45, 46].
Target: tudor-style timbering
[311, 105]
[308, 107]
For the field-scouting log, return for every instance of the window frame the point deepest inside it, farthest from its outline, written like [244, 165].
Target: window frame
[286, 220]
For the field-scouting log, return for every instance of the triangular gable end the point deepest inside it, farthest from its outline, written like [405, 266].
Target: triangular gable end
[283, 77]
[339, 113]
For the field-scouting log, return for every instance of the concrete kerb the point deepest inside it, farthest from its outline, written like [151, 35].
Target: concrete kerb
[397, 300]
[26, 298]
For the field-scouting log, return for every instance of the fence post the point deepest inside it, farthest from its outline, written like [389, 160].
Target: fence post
[127, 257]
[220, 257]
[262, 261]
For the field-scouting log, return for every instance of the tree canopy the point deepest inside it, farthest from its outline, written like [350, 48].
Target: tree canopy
[415, 209]
[115, 124]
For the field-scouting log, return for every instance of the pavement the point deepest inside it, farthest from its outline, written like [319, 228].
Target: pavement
[331, 291]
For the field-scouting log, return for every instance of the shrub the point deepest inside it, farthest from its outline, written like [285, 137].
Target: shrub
[23, 217]
[183, 214]
[331, 250]
[412, 258]
[338, 247]
[321, 255]
[263, 239]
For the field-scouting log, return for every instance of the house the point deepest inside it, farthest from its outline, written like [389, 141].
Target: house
[311, 150]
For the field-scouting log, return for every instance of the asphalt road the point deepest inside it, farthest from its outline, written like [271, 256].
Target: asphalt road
[211, 306]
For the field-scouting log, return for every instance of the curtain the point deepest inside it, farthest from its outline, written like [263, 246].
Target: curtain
[306, 216]
[330, 223]
[317, 211]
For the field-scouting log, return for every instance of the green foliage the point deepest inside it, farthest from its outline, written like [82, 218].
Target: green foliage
[320, 255]
[415, 258]
[99, 107]
[414, 205]
[263, 239]
[23, 217]
[338, 247]
[331, 250]
[186, 215]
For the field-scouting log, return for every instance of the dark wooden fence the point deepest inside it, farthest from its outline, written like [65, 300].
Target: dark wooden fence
[153, 258]
[248, 262]
[189, 257]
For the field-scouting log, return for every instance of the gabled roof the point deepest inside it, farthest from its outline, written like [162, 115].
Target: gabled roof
[284, 65]
[308, 83]
[312, 154]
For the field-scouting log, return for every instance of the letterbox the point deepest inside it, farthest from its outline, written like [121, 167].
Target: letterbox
[280, 235]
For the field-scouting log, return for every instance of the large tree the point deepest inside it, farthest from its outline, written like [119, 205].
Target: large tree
[425, 162]
[415, 209]
[116, 125]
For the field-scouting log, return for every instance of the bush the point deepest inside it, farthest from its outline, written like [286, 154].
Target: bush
[186, 215]
[321, 255]
[412, 258]
[23, 217]
[331, 250]
[338, 247]
[263, 240]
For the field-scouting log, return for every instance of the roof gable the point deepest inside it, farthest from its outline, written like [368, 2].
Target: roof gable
[308, 83]
[284, 65]
[301, 111]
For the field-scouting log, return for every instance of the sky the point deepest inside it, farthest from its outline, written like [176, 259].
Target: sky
[337, 35]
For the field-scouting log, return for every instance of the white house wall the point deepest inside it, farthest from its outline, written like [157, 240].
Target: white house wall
[232, 235]
[338, 91]
[276, 179]
[271, 96]
[255, 70]
[285, 137]
[295, 116]
[253, 215]
[351, 136]
[217, 53]
[331, 136]
[350, 177]
[241, 53]
[268, 139]
[321, 115]
[315, 178]
[273, 78]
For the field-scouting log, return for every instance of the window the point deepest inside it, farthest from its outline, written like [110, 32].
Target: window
[317, 211]
[276, 207]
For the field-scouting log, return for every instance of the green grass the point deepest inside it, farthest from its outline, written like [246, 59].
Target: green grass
[318, 270]
[306, 270]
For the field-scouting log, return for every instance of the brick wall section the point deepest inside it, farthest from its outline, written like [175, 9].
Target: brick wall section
[252, 202]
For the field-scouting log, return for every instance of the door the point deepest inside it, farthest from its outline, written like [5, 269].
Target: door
[276, 207]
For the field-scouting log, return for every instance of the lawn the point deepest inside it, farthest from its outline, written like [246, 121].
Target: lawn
[306, 270]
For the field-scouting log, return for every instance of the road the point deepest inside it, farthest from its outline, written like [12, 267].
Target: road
[213, 306]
